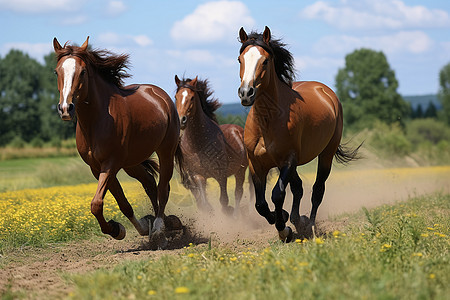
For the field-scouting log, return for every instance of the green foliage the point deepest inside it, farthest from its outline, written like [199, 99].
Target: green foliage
[231, 119]
[444, 92]
[28, 97]
[37, 142]
[389, 140]
[367, 88]
[17, 142]
[427, 130]
[405, 258]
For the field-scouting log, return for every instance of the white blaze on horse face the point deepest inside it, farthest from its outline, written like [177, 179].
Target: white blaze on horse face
[184, 93]
[69, 71]
[251, 59]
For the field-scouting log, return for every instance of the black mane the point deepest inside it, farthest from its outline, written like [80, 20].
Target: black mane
[283, 60]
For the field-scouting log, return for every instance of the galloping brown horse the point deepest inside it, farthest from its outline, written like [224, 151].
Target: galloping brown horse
[289, 124]
[209, 150]
[118, 127]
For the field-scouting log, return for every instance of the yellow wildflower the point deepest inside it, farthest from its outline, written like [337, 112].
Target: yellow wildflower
[319, 241]
[151, 292]
[181, 290]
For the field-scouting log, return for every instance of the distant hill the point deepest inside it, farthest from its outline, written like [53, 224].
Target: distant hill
[424, 100]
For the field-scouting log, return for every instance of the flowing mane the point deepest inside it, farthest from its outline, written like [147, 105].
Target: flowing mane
[283, 60]
[209, 104]
[110, 66]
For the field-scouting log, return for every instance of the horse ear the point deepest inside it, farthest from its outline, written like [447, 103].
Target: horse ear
[56, 45]
[177, 80]
[194, 82]
[85, 44]
[266, 35]
[243, 35]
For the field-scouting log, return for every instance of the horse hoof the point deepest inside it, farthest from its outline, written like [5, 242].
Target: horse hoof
[227, 210]
[158, 240]
[172, 222]
[146, 223]
[286, 234]
[118, 231]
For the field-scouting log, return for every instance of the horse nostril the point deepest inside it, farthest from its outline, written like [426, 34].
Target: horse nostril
[71, 106]
[251, 92]
[183, 120]
[58, 108]
[240, 94]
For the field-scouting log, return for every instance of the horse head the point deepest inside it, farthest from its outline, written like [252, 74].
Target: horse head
[254, 59]
[185, 99]
[72, 75]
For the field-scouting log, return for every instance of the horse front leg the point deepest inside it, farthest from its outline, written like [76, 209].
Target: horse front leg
[142, 225]
[259, 183]
[114, 229]
[226, 209]
[198, 189]
[278, 195]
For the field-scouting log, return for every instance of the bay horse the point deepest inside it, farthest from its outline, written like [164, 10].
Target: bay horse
[118, 127]
[209, 150]
[289, 124]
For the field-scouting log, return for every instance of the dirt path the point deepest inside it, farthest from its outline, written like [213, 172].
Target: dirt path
[41, 273]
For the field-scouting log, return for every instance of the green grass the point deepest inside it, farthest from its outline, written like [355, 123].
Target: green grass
[24, 173]
[399, 252]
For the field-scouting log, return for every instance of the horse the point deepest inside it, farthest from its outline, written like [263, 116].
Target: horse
[289, 124]
[209, 150]
[119, 127]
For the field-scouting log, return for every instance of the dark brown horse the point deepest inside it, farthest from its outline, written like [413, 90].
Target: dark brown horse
[289, 124]
[209, 150]
[118, 127]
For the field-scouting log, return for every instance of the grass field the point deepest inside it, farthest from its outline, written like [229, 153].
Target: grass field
[397, 251]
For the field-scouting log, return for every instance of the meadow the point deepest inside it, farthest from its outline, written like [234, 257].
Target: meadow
[395, 251]
[391, 252]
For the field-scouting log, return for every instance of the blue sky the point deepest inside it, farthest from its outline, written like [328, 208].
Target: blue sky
[165, 38]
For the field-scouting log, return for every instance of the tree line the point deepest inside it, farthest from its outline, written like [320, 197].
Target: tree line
[366, 86]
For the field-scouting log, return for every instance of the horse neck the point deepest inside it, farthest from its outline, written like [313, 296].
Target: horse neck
[91, 109]
[268, 103]
[199, 123]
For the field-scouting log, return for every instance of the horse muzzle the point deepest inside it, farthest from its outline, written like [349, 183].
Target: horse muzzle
[66, 112]
[183, 122]
[247, 95]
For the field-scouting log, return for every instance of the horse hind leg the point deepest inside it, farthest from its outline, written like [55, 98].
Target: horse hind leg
[140, 173]
[323, 171]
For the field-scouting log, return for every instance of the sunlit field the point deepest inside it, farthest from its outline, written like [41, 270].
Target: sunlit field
[395, 252]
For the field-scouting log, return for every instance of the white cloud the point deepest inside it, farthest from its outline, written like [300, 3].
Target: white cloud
[36, 51]
[74, 20]
[369, 14]
[213, 21]
[114, 39]
[115, 8]
[413, 42]
[41, 6]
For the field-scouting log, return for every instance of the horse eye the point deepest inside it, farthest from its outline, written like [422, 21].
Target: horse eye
[83, 72]
[239, 59]
[54, 72]
[265, 62]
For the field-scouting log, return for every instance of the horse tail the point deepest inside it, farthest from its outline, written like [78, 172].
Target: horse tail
[345, 154]
[151, 166]
[179, 161]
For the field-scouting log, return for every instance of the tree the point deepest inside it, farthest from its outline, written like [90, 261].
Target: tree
[28, 98]
[444, 91]
[367, 88]
[19, 97]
